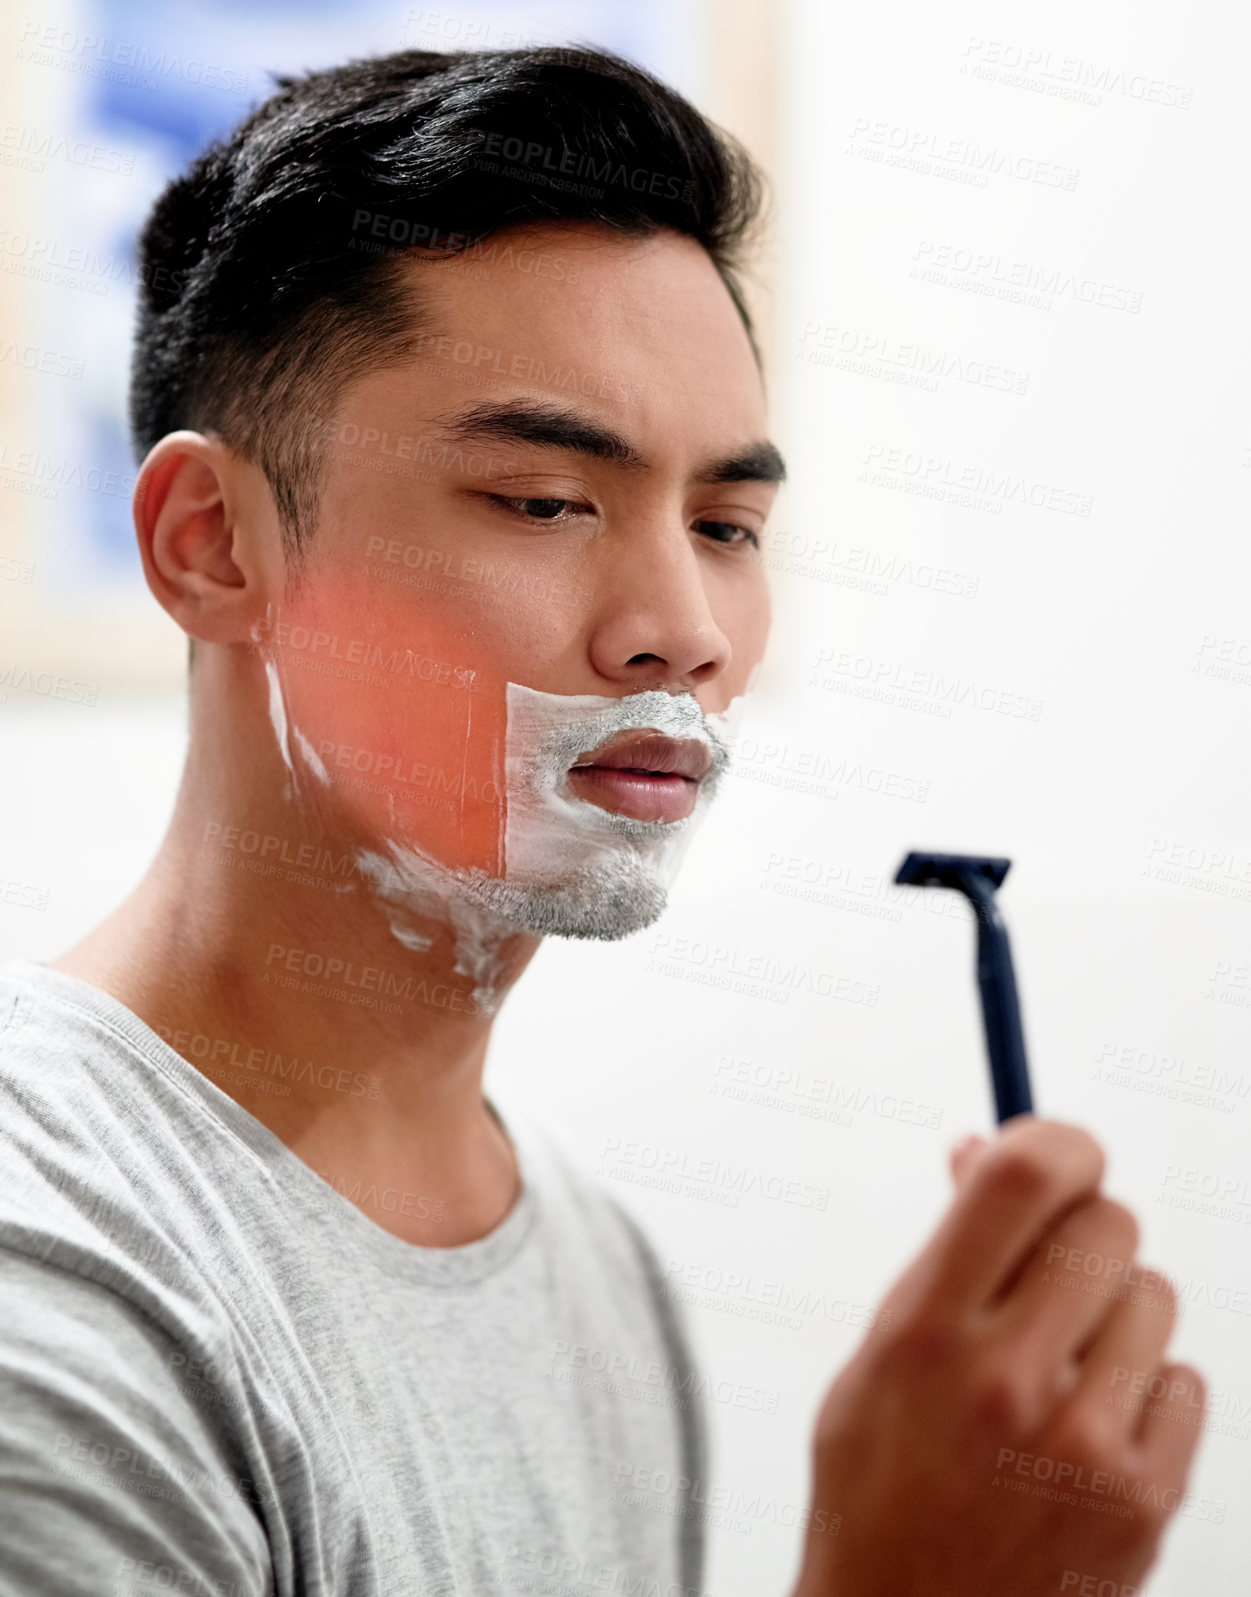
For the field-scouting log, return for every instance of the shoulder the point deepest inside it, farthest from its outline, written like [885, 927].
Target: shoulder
[99, 1150]
[112, 1443]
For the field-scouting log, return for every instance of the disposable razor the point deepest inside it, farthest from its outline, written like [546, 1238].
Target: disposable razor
[977, 878]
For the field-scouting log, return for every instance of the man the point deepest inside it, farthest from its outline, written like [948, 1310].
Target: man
[455, 471]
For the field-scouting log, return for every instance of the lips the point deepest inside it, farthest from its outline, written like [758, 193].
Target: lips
[645, 775]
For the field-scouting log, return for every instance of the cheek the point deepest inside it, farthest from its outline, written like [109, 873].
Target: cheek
[406, 711]
[744, 617]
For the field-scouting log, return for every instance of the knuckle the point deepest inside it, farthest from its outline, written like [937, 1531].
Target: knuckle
[1080, 1143]
[1019, 1171]
[1057, 1143]
[1120, 1225]
[1085, 1437]
[1098, 1230]
[920, 1346]
[1000, 1404]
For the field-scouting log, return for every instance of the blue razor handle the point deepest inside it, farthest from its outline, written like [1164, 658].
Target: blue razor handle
[977, 877]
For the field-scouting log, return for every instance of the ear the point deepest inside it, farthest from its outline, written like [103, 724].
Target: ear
[208, 537]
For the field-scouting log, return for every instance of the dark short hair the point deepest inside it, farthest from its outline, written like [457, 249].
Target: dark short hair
[264, 291]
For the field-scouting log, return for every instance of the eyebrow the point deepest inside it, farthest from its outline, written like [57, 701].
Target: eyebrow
[523, 421]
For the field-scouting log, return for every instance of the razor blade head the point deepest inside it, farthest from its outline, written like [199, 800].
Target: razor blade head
[947, 870]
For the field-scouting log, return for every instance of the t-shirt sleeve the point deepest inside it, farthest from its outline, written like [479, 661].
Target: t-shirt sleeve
[115, 1476]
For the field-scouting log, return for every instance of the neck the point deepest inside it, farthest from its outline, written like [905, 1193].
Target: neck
[356, 1031]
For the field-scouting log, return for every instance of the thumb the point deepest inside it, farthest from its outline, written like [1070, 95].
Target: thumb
[964, 1155]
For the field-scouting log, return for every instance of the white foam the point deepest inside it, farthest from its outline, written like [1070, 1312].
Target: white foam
[312, 757]
[278, 714]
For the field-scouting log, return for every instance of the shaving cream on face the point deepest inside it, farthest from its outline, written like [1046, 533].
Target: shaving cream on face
[278, 713]
[571, 868]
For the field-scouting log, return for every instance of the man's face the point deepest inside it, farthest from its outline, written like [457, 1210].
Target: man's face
[551, 513]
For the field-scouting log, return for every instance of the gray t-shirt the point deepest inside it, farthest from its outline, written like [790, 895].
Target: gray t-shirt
[220, 1378]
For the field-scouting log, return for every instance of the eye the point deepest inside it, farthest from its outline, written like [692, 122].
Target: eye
[724, 532]
[539, 509]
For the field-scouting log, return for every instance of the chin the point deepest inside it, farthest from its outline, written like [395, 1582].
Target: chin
[602, 902]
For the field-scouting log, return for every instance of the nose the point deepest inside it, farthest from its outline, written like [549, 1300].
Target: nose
[654, 624]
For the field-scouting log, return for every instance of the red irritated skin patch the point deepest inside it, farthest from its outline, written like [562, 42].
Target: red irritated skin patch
[395, 715]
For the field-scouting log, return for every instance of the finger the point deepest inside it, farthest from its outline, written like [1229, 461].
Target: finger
[1015, 1190]
[1124, 1355]
[1069, 1282]
[963, 1156]
[1167, 1435]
